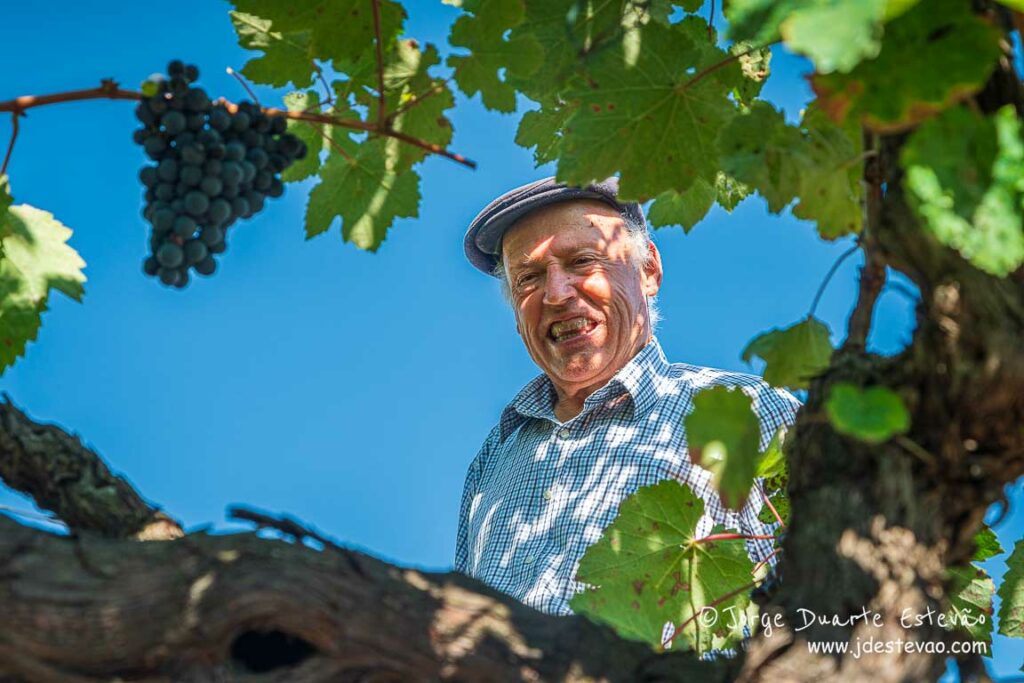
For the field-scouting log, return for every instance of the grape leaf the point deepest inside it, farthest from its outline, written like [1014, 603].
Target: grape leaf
[987, 545]
[483, 33]
[1011, 593]
[792, 355]
[647, 570]
[365, 191]
[936, 54]
[730, 191]
[873, 415]
[781, 503]
[970, 601]
[830, 188]
[755, 65]
[541, 129]
[36, 260]
[760, 149]
[724, 433]
[683, 208]
[286, 55]
[818, 162]
[415, 101]
[835, 34]
[338, 29]
[652, 121]
[310, 133]
[963, 177]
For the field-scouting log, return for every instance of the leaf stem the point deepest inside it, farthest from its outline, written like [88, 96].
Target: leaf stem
[771, 507]
[828, 276]
[708, 70]
[716, 601]
[734, 537]
[10, 146]
[245, 85]
[417, 99]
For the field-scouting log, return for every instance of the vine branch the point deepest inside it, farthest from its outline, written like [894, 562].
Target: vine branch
[110, 90]
[828, 277]
[381, 113]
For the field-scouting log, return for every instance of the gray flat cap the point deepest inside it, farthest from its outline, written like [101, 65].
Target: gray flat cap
[485, 232]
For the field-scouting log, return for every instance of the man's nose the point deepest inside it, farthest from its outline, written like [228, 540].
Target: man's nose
[559, 286]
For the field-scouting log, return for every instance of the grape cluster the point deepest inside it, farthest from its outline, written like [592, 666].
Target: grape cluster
[211, 166]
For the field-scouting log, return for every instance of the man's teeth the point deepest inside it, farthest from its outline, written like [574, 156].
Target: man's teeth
[568, 328]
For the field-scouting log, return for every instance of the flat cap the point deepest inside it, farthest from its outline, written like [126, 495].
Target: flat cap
[483, 238]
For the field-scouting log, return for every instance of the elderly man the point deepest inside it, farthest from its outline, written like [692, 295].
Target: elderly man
[606, 416]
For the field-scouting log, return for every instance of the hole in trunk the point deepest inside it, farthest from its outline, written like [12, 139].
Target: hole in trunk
[262, 651]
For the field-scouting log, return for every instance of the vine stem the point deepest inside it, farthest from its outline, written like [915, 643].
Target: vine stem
[109, 90]
[771, 507]
[716, 601]
[10, 146]
[828, 276]
[765, 561]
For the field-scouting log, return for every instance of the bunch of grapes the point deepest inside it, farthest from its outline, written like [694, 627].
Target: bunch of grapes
[211, 167]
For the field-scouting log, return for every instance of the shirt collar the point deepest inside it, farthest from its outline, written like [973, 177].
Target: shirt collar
[639, 378]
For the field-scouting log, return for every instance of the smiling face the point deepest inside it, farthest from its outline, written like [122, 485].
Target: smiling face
[578, 292]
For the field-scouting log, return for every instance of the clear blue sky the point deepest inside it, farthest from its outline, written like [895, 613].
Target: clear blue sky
[346, 388]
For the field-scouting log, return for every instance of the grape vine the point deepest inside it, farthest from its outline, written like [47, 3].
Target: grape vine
[211, 168]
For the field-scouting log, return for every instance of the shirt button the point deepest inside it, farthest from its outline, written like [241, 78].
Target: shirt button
[529, 559]
[563, 433]
[547, 495]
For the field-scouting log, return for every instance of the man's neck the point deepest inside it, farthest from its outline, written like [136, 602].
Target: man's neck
[569, 400]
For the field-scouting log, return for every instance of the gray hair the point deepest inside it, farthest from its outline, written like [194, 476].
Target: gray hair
[638, 238]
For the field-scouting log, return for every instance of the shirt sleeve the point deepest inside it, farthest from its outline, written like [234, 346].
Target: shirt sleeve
[469, 490]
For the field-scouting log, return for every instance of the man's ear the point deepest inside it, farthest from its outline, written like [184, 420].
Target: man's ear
[651, 275]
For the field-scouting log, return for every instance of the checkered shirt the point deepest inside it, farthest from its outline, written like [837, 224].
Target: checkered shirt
[541, 491]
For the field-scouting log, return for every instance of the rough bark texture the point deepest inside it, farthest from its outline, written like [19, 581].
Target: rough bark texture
[873, 528]
[243, 608]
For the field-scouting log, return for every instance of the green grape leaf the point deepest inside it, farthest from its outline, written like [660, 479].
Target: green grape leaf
[652, 121]
[963, 177]
[365, 191]
[541, 129]
[760, 149]
[1011, 593]
[970, 601]
[755, 65]
[987, 545]
[36, 260]
[415, 101]
[936, 54]
[286, 55]
[792, 355]
[338, 29]
[313, 134]
[873, 415]
[683, 208]
[836, 34]
[483, 33]
[771, 463]
[818, 162]
[647, 569]
[730, 191]
[830, 188]
[723, 433]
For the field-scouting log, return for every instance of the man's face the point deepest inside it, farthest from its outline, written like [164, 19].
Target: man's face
[579, 298]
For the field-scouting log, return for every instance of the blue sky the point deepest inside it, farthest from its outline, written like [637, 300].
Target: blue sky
[346, 388]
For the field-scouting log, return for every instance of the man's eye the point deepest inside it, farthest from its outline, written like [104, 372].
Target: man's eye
[524, 279]
[584, 260]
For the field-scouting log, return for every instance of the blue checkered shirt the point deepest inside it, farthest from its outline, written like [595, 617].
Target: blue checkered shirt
[541, 491]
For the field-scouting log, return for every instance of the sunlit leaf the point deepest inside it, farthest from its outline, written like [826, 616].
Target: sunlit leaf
[873, 415]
